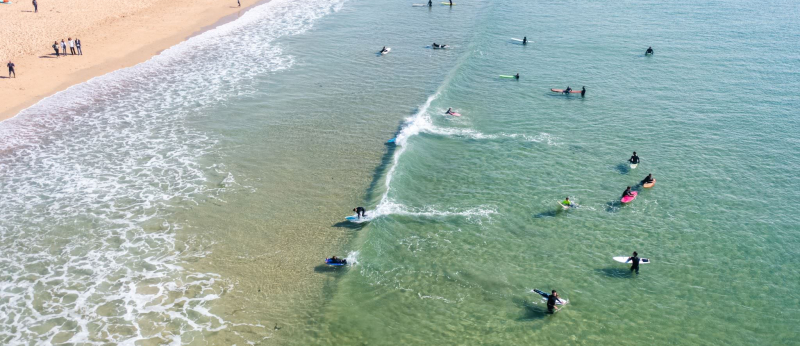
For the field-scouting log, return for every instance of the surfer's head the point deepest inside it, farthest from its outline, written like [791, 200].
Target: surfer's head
[635, 254]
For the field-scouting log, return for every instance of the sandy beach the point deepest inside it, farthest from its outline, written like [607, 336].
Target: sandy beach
[114, 34]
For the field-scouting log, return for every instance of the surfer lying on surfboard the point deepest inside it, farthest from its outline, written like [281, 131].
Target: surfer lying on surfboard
[567, 203]
[628, 193]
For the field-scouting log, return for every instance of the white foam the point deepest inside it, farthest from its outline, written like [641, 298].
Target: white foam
[92, 176]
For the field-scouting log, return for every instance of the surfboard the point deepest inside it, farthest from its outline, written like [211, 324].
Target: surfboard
[391, 140]
[520, 40]
[330, 262]
[447, 3]
[505, 76]
[560, 301]
[634, 165]
[386, 52]
[453, 114]
[649, 185]
[628, 199]
[565, 207]
[624, 259]
[562, 90]
[355, 219]
[418, 5]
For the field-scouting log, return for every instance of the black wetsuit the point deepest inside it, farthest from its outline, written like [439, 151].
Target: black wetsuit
[627, 193]
[516, 76]
[551, 303]
[361, 212]
[430, 3]
[635, 263]
[524, 40]
[647, 179]
[649, 51]
[583, 92]
[634, 159]
[567, 90]
[11, 69]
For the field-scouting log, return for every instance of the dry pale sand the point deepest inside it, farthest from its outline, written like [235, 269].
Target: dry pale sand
[113, 33]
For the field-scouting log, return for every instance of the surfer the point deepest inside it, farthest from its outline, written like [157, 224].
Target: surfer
[11, 69]
[627, 193]
[551, 302]
[648, 179]
[360, 212]
[383, 50]
[634, 159]
[567, 90]
[583, 91]
[430, 3]
[649, 51]
[451, 2]
[525, 40]
[634, 261]
[516, 76]
[566, 202]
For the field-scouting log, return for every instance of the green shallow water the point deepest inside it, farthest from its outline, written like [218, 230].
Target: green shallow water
[470, 222]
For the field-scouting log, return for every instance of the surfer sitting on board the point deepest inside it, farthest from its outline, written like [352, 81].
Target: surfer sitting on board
[567, 90]
[634, 159]
[516, 76]
[361, 212]
[551, 302]
[627, 193]
[566, 202]
[649, 51]
[635, 261]
[648, 179]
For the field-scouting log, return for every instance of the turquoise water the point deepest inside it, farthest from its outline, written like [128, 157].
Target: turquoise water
[196, 208]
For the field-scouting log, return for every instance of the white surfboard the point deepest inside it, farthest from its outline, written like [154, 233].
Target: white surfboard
[387, 51]
[634, 165]
[418, 5]
[624, 259]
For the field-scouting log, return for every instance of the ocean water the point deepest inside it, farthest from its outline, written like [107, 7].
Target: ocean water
[191, 199]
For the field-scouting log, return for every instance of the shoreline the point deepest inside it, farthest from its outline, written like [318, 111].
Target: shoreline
[126, 42]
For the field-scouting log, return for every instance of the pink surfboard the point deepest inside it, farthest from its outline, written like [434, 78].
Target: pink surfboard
[562, 90]
[454, 114]
[628, 199]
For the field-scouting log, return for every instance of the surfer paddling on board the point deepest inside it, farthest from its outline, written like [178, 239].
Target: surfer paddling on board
[567, 90]
[649, 51]
[583, 91]
[551, 302]
[634, 261]
[360, 212]
[634, 159]
[567, 202]
[449, 111]
[627, 193]
[648, 179]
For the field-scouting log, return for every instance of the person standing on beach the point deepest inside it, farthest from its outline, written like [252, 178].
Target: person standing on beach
[63, 47]
[35, 7]
[239, 2]
[71, 45]
[78, 45]
[55, 48]
[11, 69]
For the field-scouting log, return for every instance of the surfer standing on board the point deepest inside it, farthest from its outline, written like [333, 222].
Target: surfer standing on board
[361, 212]
[634, 159]
[635, 261]
[551, 302]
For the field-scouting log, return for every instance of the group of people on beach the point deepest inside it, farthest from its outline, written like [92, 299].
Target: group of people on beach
[74, 47]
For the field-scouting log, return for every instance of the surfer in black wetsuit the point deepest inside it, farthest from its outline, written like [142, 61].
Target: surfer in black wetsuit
[451, 2]
[649, 51]
[384, 49]
[583, 91]
[430, 3]
[634, 159]
[567, 90]
[516, 76]
[635, 262]
[627, 192]
[648, 179]
[525, 40]
[551, 302]
[360, 212]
